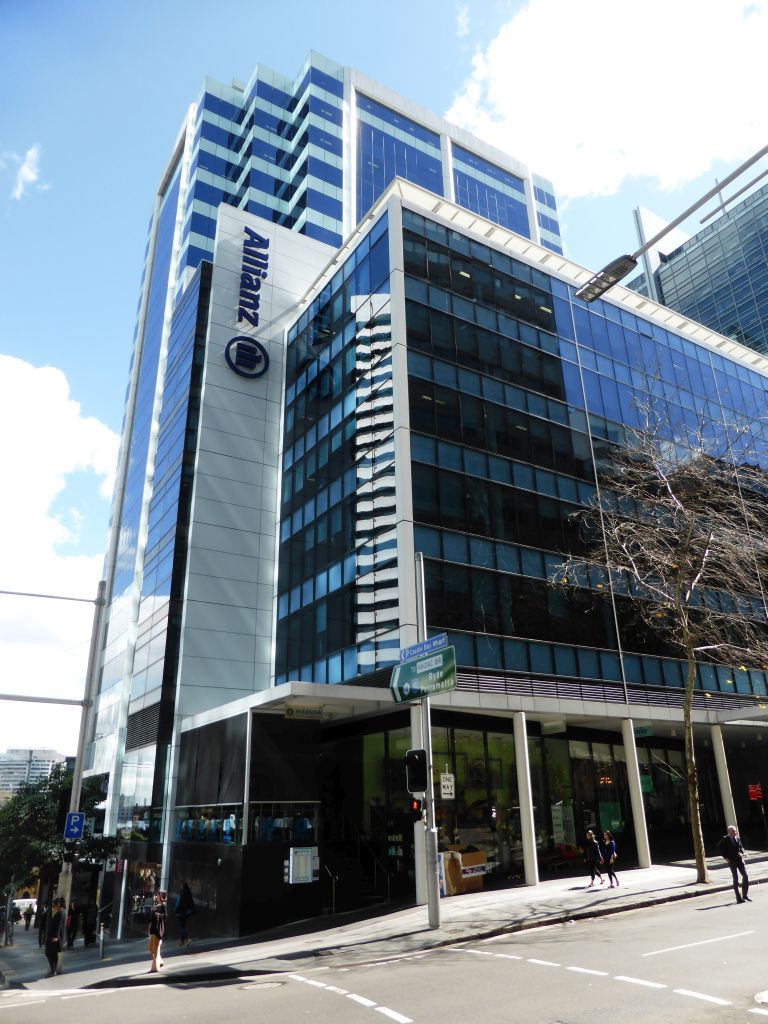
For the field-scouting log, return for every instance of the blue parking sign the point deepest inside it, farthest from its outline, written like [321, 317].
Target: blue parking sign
[74, 826]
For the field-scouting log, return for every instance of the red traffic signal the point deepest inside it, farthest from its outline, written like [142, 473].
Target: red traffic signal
[416, 812]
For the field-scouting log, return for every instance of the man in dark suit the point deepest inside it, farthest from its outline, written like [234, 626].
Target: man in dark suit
[57, 936]
[731, 849]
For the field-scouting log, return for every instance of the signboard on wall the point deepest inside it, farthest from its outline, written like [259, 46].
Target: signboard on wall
[755, 791]
[303, 865]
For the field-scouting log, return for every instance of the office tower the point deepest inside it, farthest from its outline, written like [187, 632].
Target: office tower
[304, 415]
[720, 275]
[311, 155]
[19, 766]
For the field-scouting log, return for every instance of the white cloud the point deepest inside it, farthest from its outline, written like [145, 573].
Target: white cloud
[462, 21]
[593, 94]
[28, 172]
[44, 643]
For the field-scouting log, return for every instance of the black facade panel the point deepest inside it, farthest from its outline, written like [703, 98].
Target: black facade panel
[239, 890]
[212, 763]
[285, 759]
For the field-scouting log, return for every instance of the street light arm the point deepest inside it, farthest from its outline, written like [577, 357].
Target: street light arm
[599, 283]
[700, 202]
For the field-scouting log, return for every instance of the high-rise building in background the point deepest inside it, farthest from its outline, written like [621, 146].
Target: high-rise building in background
[23, 765]
[321, 387]
[718, 277]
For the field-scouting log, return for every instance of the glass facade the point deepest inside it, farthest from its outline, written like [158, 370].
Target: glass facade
[720, 277]
[391, 145]
[336, 608]
[136, 447]
[516, 390]
[486, 189]
[273, 148]
[156, 651]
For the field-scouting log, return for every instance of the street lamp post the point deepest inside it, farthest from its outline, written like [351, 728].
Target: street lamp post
[618, 268]
[85, 704]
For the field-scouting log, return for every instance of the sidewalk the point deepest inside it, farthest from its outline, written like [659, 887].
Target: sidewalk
[356, 941]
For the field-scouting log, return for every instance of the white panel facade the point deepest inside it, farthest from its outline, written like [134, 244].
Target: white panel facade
[260, 272]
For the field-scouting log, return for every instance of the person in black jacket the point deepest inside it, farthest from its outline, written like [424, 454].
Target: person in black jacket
[593, 857]
[56, 936]
[185, 907]
[731, 849]
[157, 930]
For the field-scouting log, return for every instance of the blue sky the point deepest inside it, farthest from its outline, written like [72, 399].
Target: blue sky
[592, 95]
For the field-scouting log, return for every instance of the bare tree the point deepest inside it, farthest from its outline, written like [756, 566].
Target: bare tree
[678, 524]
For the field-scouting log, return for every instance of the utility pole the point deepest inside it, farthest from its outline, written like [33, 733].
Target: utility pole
[430, 827]
[65, 887]
[65, 890]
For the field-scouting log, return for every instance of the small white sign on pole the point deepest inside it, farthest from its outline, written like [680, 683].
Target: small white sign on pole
[447, 786]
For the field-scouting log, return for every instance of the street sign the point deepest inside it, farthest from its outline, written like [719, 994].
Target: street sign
[424, 677]
[447, 786]
[74, 826]
[425, 647]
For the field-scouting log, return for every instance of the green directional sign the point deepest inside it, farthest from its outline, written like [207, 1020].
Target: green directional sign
[425, 676]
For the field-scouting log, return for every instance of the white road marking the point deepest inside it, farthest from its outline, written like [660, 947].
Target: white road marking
[17, 1006]
[479, 952]
[544, 963]
[704, 942]
[508, 956]
[588, 970]
[639, 981]
[361, 999]
[700, 995]
[394, 1015]
[763, 1012]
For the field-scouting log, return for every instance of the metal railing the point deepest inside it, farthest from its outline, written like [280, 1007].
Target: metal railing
[378, 866]
[334, 880]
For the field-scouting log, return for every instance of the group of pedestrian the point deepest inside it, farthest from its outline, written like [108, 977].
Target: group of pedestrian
[729, 847]
[596, 857]
[62, 928]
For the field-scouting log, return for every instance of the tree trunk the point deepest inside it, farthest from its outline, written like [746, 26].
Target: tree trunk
[702, 874]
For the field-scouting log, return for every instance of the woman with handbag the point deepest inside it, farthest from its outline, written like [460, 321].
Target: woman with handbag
[609, 851]
[157, 930]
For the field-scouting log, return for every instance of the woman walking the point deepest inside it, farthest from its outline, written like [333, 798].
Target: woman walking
[593, 858]
[157, 930]
[609, 852]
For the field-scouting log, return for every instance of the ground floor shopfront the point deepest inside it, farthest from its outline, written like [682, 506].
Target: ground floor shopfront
[297, 806]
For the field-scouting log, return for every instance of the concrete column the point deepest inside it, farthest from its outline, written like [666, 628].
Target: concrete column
[525, 799]
[636, 794]
[724, 781]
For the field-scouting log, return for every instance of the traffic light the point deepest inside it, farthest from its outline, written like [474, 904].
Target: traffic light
[416, 771]
[415, 809]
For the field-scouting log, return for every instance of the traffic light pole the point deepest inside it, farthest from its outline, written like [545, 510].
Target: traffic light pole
[430, 831]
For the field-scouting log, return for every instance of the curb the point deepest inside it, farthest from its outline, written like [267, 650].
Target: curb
[231, 973]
